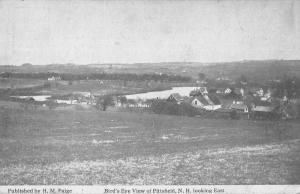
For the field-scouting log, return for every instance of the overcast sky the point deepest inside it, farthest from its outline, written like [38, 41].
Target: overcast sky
[65, 31]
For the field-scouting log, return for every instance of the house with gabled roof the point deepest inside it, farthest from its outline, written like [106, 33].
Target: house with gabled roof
[207, 102]
[198, 102]
[264, 109]
[239, 107]
[223, 91]
[263, 106]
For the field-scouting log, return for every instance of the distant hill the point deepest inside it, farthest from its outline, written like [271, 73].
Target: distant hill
[269, 69]
[261, 70]
[256, 69]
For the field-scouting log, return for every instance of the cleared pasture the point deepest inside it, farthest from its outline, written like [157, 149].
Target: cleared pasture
[93, 147]
[19, 83]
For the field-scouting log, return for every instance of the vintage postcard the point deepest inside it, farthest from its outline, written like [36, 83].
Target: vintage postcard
[149, 96]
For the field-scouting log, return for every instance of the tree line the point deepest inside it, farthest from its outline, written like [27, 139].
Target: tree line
[99, 76]
[288, 86]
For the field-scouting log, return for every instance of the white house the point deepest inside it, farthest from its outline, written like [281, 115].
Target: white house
[54, 78]
[206, 102]
[227, 91]
[239, 106]
[223, 91]
[260, 92]
[267, 96]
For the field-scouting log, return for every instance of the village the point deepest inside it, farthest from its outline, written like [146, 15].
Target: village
[245, 102]
[237, 100]
[202, 99]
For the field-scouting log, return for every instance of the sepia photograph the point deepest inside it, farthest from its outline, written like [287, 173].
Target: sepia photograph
[149, 92]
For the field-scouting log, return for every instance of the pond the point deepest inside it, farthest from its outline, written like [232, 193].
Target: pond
[183, 91]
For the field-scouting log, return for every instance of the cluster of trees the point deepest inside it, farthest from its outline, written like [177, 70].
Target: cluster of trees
[201, 76]
[288, 86]
[99, 76]
[104, 102]
[172, 108]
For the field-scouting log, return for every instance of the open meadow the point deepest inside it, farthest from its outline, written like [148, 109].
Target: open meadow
[184, 93]
[61, 147]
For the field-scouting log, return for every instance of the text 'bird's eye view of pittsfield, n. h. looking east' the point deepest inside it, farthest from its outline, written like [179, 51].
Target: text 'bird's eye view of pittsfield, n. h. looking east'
[145, 93]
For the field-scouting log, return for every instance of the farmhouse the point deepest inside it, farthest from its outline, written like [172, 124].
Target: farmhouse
[223, 91]
[239, 107]
[259, 103]
[262, 109]
[54, 78]
[80, 98]
[257, 92]
[234, 93]
[267, 96]
[207, 102]
[263, 112]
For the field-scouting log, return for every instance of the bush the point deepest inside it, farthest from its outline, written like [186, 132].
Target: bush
[52, 104]
[234, 115]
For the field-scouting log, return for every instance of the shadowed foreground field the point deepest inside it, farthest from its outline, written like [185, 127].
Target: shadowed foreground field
[91, 147]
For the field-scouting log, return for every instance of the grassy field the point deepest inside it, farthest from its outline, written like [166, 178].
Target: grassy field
[94, 147]
[104, 87]
[19, 83]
